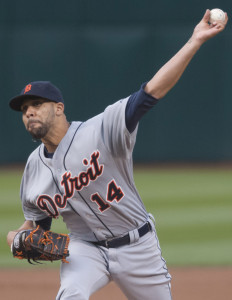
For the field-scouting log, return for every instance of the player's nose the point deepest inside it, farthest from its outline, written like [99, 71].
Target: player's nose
[30, 111]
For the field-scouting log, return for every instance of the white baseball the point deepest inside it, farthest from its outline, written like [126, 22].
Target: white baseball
[216, 15]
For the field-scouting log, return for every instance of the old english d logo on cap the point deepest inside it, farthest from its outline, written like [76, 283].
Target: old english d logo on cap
[35, 90]
[27, 88]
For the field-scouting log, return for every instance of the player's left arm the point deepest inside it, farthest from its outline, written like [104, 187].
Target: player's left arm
[45, 224]
[25, 226]
[171, 72]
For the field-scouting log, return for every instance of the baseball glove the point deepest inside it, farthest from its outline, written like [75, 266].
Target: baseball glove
[40, 245]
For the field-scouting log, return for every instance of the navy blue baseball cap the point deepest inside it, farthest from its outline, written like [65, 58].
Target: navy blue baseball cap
[35, 90]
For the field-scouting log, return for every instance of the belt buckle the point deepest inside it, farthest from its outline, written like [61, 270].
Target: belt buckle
[112, 239]
[107, 242]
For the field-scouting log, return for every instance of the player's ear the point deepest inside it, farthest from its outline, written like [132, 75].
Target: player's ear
[59, 108]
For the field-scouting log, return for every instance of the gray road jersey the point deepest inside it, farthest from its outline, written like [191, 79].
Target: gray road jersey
[89, 180]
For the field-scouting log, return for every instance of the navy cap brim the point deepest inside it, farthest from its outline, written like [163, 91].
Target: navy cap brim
[16, 102]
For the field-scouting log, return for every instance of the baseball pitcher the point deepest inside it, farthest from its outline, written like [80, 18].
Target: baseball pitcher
[83, 171]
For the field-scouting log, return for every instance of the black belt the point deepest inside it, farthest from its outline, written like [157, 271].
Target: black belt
[123, 240]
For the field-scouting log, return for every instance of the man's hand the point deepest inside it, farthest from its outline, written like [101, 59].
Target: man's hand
[205, 31]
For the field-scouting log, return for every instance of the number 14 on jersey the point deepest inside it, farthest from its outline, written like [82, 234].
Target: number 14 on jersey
[113, 193]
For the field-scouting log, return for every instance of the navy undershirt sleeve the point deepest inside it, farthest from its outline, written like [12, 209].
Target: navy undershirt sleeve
[138, 104]
[45, 223]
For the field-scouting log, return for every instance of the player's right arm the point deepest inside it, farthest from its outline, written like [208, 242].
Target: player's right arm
[11, 234]
[170, 73]
[163, 81]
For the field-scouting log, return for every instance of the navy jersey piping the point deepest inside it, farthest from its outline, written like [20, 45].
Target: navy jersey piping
[57, 186]
[50, 171]
[79, 192]
[70, 146]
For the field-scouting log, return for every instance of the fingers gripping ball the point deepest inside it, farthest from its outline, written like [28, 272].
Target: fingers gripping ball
[217, 15]
[40, 245]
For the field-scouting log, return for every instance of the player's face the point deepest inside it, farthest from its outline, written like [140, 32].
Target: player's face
[38, 117]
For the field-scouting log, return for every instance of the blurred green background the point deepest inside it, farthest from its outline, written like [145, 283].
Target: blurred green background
[192, 207]
[97, 52]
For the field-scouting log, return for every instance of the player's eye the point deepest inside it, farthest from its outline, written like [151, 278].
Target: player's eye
[24, 109]
[37, 103]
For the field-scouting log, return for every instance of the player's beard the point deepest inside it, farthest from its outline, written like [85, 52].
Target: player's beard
[38, 132]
